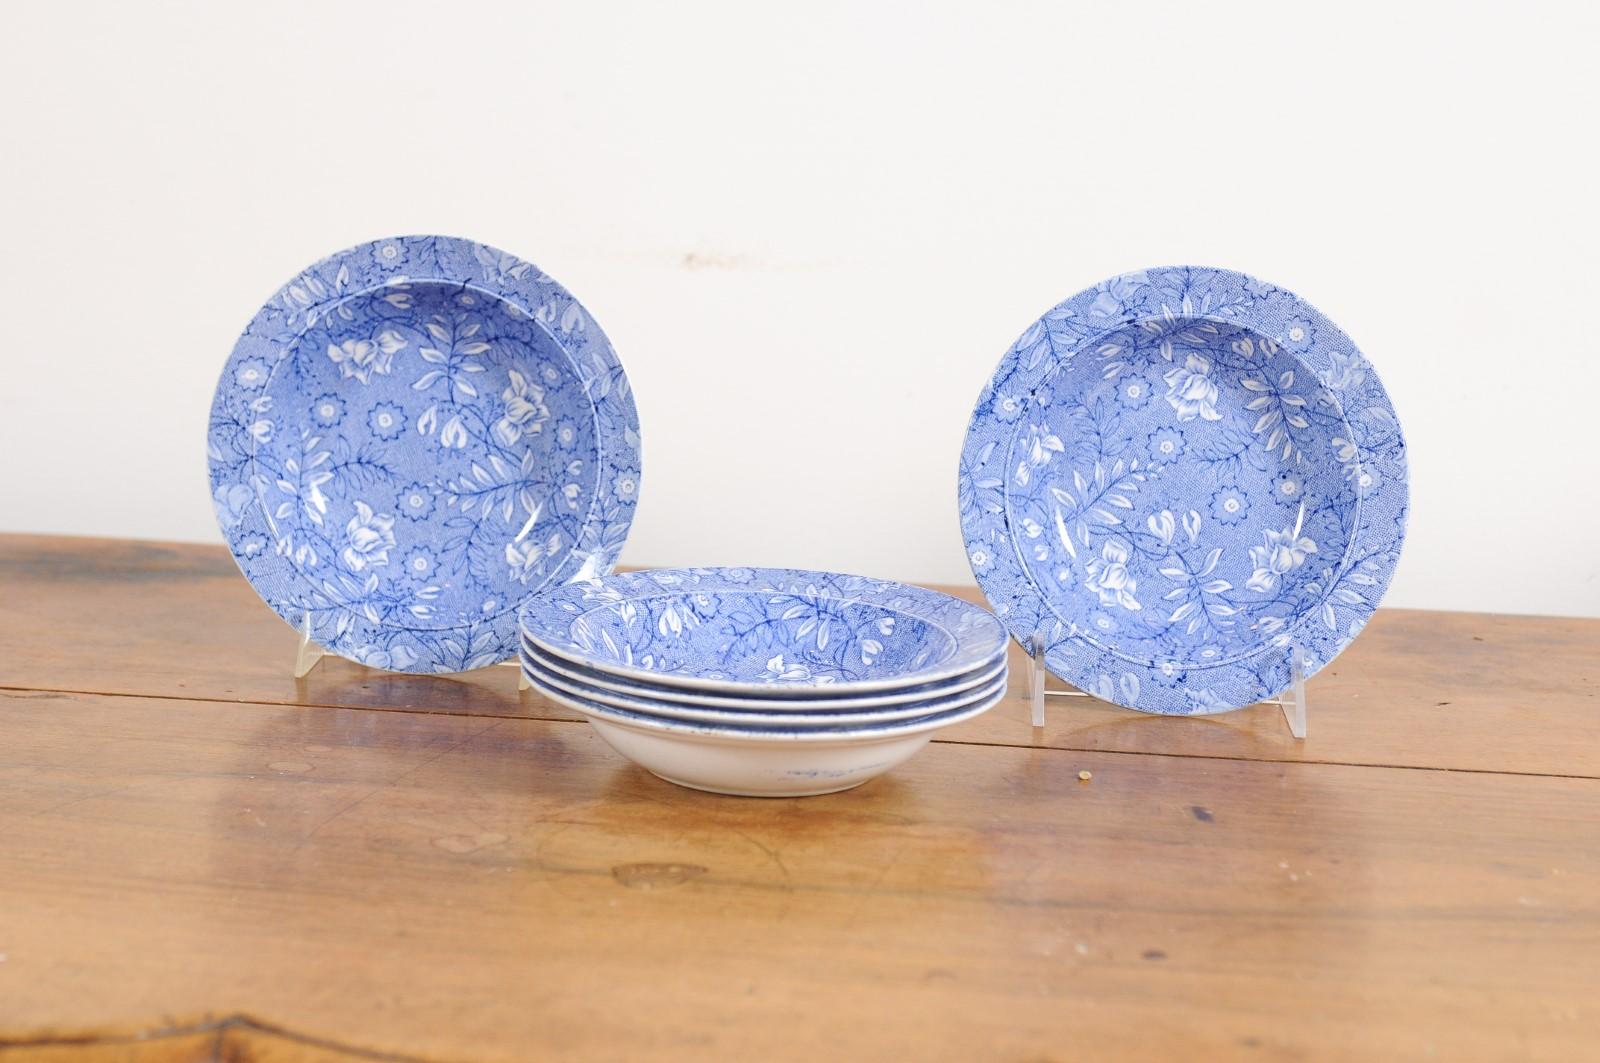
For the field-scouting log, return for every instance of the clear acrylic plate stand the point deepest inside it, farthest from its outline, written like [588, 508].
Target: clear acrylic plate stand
[1292, 701]
[308, 654]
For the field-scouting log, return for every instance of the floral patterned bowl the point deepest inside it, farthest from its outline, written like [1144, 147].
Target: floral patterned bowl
[763, 632]
[821, 699]
[411, 438]
[767, 762]
[767, 715]
[1177, 477]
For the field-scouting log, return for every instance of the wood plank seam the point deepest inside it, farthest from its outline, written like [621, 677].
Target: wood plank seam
[944, 741]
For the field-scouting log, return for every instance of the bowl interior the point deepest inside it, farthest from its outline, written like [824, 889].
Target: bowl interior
[428, 450]
[761, 637]
[1192, 469]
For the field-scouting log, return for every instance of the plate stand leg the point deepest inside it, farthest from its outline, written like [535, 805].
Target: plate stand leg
[1037, 674]
[308, 653]
[1291, 701]
[1036, 683]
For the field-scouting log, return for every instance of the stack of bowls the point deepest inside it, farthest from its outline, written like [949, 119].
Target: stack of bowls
[763, 682]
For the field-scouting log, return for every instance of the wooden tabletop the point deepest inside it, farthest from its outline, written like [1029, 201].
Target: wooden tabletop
[203, 858]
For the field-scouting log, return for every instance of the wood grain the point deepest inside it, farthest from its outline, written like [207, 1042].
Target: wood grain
[204, 859]
[1418, 689]
[233, 1039]
[448, 887]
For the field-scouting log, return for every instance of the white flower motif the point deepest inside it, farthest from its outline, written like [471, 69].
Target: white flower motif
[309, 491]
[453, 434]
[1344, 371]
[526, 412]
[252, 374]
[1279, 554]
[1112, 297]
[1007, 407]
[524, 556]
[780, 671]
[1203, 700]
[675, 620]
[231, 503]
[362, 358]
[1040, 443]
[394, 658]
[371, 535]
[1191, 391]
[1109, 576]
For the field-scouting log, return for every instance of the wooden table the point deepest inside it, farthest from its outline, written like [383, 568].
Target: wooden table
[204, 858]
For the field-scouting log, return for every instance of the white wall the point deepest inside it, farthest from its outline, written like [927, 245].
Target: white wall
[812, 232]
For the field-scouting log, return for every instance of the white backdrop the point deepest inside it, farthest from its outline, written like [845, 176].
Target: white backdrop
[812, 231]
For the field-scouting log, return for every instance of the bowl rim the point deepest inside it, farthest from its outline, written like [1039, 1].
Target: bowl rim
[827, 701]
[977, 632]
[865, 715]
[693, 733]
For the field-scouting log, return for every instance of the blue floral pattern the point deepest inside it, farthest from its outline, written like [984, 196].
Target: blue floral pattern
[700, 729]
[1167, 553]
[739, 629]
[608, 704]
[413, 437]
[823, 699]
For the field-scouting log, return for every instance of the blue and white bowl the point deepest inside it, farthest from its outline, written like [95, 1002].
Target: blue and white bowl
[763, 632]
[767, 717]
[763, 682]
[411, 438]
[1176, 481]
[825, 700]
[757, 761]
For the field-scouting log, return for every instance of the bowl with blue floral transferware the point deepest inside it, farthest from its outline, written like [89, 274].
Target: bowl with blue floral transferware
[668, 698]
[763, 632]
[762, 761]
[1179, 478]
[410, 439]
[781, 715]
